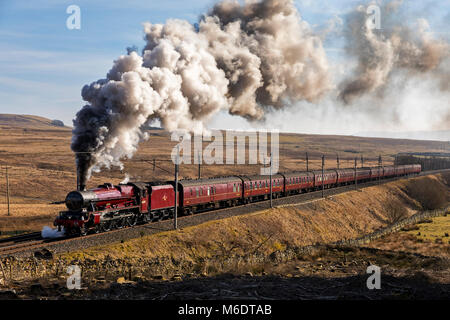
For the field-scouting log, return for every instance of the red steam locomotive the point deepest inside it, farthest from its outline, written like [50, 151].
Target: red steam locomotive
[110, 207]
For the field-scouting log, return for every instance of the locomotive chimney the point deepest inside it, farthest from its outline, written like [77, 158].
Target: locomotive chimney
[80, 186]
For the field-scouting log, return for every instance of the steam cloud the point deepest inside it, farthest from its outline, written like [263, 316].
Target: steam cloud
[394, 48]
[49, 233]
[241, 58]
[245, 60]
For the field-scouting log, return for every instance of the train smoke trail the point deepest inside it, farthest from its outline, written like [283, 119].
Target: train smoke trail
[241, 58]
[381, 53]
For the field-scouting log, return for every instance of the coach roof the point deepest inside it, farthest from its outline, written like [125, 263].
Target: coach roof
[209, 181]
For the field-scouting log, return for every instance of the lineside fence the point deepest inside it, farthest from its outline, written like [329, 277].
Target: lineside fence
[414, 219]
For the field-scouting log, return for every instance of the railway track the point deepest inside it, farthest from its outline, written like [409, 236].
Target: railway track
[17, 243]
[21, 238]
[29, 242]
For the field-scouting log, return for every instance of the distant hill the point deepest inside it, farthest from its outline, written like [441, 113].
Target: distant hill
[30, 122]
[441, 135]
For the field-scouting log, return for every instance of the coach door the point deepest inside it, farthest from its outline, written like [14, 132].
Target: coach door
[210, 193]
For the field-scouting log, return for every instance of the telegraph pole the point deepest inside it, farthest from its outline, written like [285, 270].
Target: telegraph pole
[270, 180]
[337, 159]
[380, 170]
[323, 183]
[175, 226]
[307, 167]
[7, 190]
[356, 180]
[362, 161]
[199, 166]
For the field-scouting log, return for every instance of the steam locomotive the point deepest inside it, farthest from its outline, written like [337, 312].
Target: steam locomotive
[110, 207]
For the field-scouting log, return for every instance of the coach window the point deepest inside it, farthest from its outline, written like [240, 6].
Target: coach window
[196, 191]
[191, 193]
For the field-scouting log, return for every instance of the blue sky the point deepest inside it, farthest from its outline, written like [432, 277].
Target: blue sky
[44, 65]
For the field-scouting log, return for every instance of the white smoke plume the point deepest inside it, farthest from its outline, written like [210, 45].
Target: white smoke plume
[243, 59]
[126, 179]
[396, 47]
[49, 233]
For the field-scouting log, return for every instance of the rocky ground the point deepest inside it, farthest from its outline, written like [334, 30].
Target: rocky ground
[327, 272]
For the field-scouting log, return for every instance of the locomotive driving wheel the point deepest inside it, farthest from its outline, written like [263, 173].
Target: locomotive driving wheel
[131, 221]
[106, 226]
[83, 230]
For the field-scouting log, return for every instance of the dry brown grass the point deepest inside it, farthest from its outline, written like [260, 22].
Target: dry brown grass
[28, 217]
[395, 211]
[445, 178]
[429, 192]
[409, 242]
